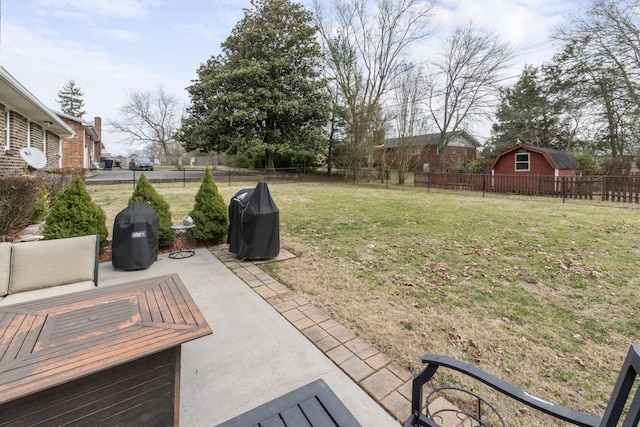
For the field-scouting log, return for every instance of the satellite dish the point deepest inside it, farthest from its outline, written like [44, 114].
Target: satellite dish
[34, 157]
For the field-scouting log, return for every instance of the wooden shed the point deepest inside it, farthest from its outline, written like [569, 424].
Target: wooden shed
[524, 168]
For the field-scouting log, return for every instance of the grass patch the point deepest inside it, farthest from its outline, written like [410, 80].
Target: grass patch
[538, 292]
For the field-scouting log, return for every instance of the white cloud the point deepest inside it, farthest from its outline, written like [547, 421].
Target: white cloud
[82, 9]
[118, 34]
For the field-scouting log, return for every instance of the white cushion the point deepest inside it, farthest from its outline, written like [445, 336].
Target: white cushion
[45, 293]
[5, 267]
[47, 263]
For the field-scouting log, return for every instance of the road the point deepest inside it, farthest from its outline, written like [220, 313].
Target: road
[119, 176]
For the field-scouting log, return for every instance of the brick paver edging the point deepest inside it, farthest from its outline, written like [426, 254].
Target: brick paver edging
[383, 379]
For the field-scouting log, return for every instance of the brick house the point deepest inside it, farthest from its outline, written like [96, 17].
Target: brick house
[460, 150]
[85, 146]
[25, 122]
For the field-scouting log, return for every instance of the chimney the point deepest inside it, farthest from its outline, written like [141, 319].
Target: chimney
[97, 124]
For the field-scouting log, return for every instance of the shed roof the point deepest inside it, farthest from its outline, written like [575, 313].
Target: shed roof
[556, 158]
[430, 139]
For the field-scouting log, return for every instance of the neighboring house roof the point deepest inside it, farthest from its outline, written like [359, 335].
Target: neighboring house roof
[88, 126]
[556, 158]
[17, 98]
[430, 139]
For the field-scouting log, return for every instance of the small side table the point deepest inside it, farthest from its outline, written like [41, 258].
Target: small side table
[183, 241]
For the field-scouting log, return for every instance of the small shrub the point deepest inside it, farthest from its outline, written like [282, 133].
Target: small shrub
[589, 164]
[145, 193]
[74, 214]
[41, 206]
[475, 166]
[210, 213]
[18, 195]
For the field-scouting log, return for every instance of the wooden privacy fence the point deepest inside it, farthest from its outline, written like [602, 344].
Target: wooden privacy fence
[624, 188]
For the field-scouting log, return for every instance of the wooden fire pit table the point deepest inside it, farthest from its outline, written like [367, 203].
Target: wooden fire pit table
[97, 357]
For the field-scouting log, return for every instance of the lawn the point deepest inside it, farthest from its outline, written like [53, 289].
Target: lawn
[542, 294]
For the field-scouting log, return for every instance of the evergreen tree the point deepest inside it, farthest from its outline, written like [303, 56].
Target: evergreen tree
[74, 214]
[210, 213]
[70, 100]
[145, 193]
[529, 114]
[263, 96]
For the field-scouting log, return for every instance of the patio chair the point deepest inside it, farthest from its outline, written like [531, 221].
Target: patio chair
[313, 405]
[623, 395]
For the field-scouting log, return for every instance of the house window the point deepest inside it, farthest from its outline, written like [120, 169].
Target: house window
[522, 162]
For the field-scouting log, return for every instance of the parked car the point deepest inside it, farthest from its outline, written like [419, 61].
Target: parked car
[141, 163]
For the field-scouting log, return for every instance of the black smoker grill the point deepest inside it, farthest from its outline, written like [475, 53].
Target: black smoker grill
[135, 237]
[254, 224]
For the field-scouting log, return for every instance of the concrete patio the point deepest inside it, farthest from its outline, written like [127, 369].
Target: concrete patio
[257, 353]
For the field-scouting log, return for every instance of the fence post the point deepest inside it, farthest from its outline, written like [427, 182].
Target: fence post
[484, 183]
[564, 189]
[229, 175]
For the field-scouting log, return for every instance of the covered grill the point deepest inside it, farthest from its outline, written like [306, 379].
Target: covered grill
[135, 237]
[254, 224]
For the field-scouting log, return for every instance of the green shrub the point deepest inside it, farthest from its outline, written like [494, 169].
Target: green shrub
[145, 193]
[475, 166]
[589, 163]
[41, 207]
[18, 195]
[74, 214]
[210, 214]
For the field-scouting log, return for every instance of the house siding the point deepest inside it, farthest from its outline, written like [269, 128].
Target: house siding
[22, 133]
[538, 164]
[53, 148]
[458, 153]
[454, 157]
[74, 147]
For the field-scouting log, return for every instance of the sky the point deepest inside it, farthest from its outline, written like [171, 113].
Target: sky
[111, 48]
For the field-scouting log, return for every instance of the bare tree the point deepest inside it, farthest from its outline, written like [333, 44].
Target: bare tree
[149, 120]
[600, 65]
[365, 50]
[464, 81]
[408, 94]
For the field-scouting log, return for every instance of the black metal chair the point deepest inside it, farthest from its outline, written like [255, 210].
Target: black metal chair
[622, 396]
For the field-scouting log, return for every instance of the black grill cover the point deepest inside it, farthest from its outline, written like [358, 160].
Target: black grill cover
[135, 237]
[254, 224]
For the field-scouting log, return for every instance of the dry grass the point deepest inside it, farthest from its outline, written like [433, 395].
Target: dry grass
[540, 293]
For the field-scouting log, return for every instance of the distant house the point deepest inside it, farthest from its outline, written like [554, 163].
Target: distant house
[25, 122]
[84, 148]
[525, 169]
[460, 150]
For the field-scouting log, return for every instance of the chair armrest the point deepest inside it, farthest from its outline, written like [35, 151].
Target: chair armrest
[435, 361]
[97, 260]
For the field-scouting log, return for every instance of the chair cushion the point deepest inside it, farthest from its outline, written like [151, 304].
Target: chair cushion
[5, 267]
[45, 293]
[48, 263]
